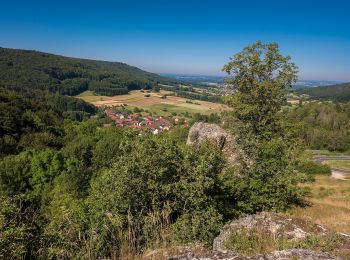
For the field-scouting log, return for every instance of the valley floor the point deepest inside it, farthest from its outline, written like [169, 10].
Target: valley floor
[154, 102]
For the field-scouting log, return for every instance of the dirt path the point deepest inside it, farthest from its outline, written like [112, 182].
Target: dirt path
[339, 174]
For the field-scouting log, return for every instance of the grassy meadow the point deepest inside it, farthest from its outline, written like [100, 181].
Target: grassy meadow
[339, 164]
[329, 204]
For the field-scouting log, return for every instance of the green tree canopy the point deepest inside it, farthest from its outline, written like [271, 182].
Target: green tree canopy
[260, 77]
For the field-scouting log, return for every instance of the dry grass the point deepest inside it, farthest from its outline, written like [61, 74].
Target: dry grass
[339, 164]
[329, 204]
[250, 242]
[164, 253]
[152, 232]
[293, 101]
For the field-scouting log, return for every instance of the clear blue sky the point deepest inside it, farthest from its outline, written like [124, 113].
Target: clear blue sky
[192, 37]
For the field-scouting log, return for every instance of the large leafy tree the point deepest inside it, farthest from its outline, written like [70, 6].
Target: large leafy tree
[260, 79]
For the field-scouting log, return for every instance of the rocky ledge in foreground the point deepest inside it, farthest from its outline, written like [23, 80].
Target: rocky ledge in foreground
[273, 236]
[280, 255]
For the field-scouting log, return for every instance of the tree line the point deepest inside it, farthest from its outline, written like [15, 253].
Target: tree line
[190, 93]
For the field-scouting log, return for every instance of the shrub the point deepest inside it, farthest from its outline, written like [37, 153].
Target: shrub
[151, 173]
[137, 110]
[310, 167]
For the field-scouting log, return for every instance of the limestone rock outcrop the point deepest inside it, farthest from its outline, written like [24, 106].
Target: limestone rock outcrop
[225, 141]
[276, 255]
[270, 225]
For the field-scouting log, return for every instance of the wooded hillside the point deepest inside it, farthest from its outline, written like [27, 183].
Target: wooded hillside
[71, 76]
[339, 92]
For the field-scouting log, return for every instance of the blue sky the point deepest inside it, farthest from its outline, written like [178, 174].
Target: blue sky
[191, 37]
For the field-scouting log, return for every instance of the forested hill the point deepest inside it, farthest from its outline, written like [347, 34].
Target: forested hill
[71, 76]
[339, 92]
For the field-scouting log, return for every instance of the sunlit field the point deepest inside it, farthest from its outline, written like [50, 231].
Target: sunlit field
[155, 102]
[329, 204]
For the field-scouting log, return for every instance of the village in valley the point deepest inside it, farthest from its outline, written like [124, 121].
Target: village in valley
[153, 124]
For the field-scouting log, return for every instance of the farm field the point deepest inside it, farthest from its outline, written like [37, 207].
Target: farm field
[155, 102]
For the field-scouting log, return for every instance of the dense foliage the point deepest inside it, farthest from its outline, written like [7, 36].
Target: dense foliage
[30, 117]
[71, 76]
[260, 78]
[84, 198]
[339, 92]
[71, 189]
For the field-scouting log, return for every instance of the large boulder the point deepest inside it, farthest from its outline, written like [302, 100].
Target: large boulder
[270, 224]
[225, 141]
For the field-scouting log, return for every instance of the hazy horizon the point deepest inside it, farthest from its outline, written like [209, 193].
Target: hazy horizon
[184, 37]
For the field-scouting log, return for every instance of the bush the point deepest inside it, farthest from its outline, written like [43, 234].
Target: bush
[151, 174]
[310, 167]
[137, 110]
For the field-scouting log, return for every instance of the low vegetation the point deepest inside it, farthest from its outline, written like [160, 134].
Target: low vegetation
[339, 164]
[328, 204]
[311, 168]
[254, 241]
